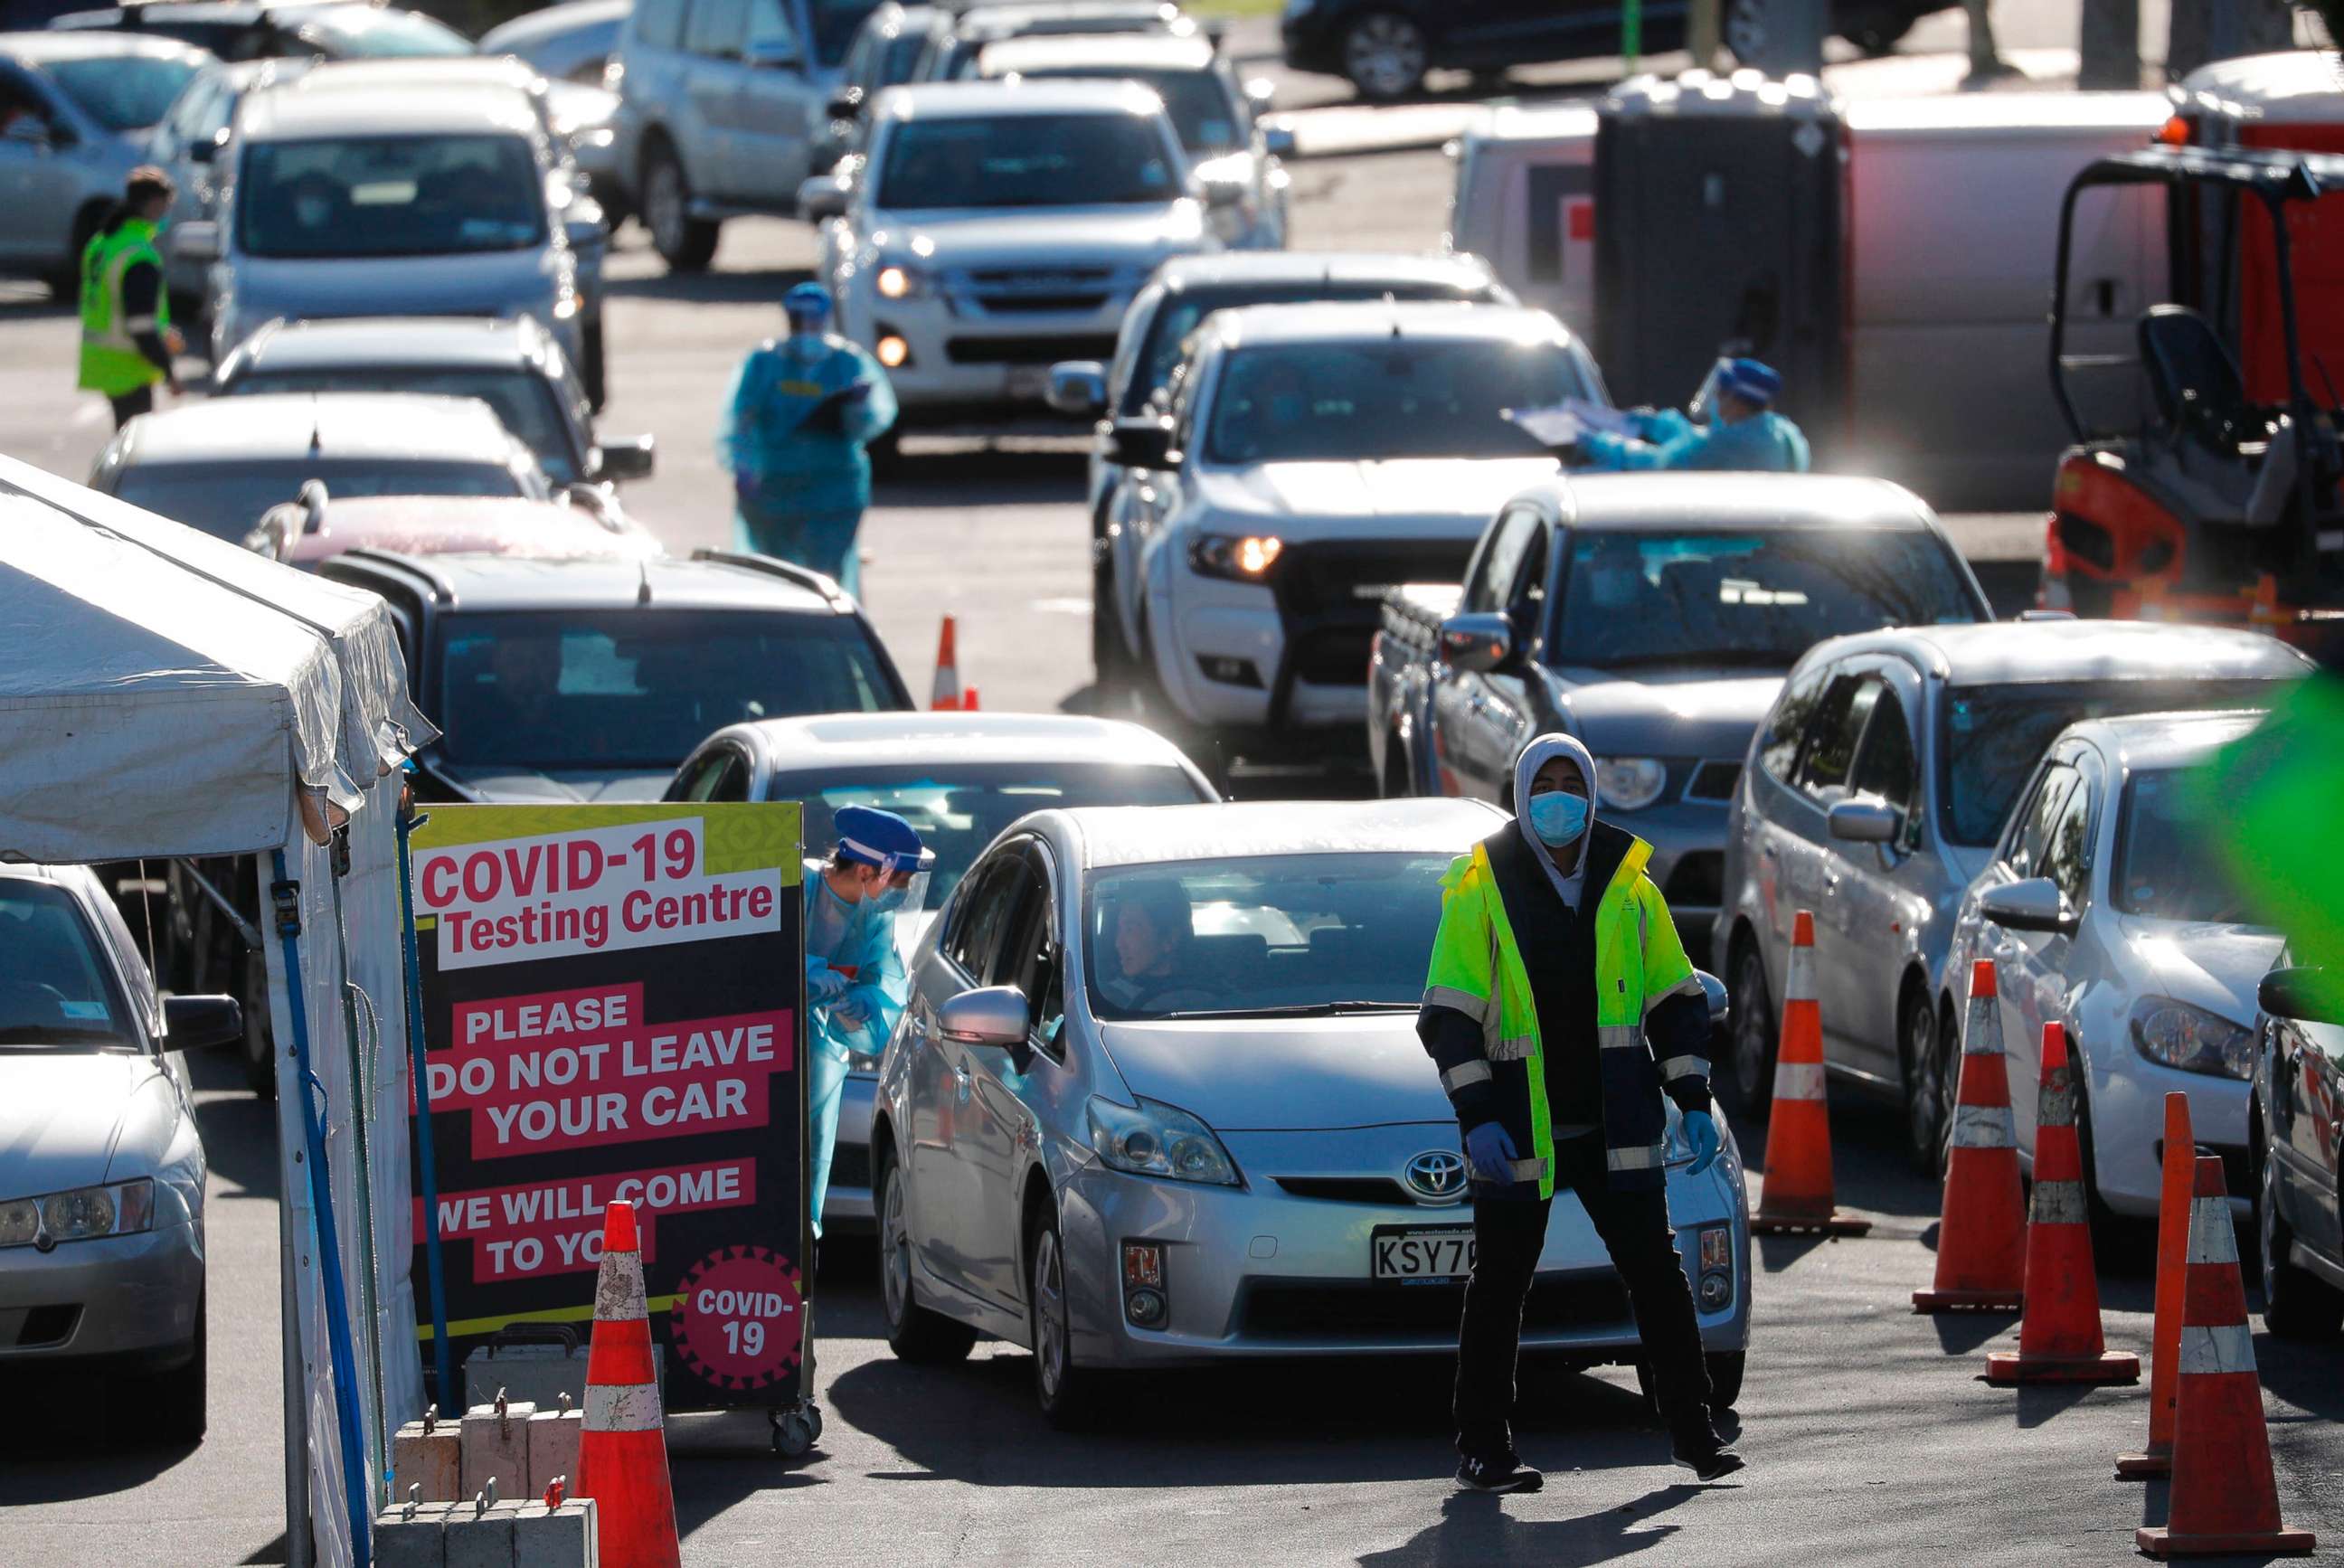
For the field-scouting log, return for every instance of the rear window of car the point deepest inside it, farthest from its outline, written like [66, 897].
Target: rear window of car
[363, 197]
[227, 503]
[123, 94]
[525, 401]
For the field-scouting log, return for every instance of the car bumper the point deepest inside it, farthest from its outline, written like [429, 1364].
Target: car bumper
[1263, 1271]
[2126, 1107]
[1688, 863]
[957, 365]
[846, 1207]
[128, 1302]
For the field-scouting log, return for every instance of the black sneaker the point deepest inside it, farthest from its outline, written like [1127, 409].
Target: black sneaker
[1507, 1473]
[1699, 1449]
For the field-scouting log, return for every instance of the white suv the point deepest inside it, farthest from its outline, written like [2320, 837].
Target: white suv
[997, 228]
[1316, 456]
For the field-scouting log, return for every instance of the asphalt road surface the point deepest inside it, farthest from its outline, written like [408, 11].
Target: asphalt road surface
[1869, 1436]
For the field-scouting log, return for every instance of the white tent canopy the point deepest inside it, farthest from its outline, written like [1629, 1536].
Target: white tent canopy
[166, 695]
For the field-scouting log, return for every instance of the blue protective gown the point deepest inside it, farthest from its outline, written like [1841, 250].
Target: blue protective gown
[809, 485]
[1765, 441]
[842, 935]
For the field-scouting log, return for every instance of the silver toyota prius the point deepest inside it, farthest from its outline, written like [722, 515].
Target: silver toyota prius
[1158, 1101]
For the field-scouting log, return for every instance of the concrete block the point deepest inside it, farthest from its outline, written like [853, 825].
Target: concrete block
[553, 1447]
[481, 1538]
[496, 1448]
[564, 1537]
[412, 1538]
[429, 1456]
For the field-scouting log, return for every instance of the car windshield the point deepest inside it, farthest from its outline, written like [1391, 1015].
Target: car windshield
[378, 33]
[1372, 400]
[960, 809]
[901, 62]
[525, 401]
[1178, 315]
[2166, 864]
[390, 196]
[1262, 935]
[1760, 599]
[57, 993]
[835, 23]
[1202, 110]
[126, 93]
[639, 688]
[1991, 737]
[1027, 160]
[227, 502]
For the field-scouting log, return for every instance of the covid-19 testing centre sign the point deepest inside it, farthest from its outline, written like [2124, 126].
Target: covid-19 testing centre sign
[611, 998]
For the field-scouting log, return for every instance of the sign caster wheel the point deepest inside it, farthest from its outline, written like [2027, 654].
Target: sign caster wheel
[797, 1430]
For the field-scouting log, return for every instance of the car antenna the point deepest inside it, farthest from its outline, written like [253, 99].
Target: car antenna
[643, 582]
[316, 431]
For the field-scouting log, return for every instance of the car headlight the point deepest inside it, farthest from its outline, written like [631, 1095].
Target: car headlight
[2191, 1038]
[1630, 783]
[122, 1208]
[1156, 1139]
[898, 280]
[1246, 558]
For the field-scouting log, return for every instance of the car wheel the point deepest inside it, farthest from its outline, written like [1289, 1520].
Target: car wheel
[1878, 33]
[260, 1038]
[914, 1333]
[177, 1404]
[1725, 1368]
[1385, 56]
[1064, 1390]
[687, 244]
[2295, 1305]
[1745, 30]
[1929, 1062]
[1753, 1074]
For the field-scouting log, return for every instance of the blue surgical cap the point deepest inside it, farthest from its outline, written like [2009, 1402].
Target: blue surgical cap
[1749, 378]
[880, 838]
[808, 299]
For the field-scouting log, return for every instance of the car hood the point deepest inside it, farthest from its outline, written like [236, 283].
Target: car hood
[1262, 1074]
[2210, 964]
[1401, 497]
[490, 283]
[1053, 237]
[1692, 711]
[61, 1117]
[530, 787]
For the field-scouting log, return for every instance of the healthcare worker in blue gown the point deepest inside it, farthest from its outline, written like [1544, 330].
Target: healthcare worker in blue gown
[800, 414]
[1744, 433]
[855, 985]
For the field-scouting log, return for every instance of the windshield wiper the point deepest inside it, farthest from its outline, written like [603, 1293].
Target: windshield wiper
[1295, 1010]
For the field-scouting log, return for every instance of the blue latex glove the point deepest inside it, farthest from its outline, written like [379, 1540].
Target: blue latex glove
[823, 982]
[849, 1014]
[1701, 1132]
[1489, 1150]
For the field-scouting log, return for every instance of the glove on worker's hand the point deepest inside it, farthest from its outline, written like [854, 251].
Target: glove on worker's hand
[849, 1014]
[1489, 1150]
[1701, 1132]
[823, 982]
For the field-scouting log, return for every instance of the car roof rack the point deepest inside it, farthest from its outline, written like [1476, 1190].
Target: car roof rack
[803, 576]
[442, 592]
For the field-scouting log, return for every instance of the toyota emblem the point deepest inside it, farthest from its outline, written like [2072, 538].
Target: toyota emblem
[1437, 1175]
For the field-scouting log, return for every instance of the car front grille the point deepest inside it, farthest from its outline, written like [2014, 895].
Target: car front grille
[1347, 1189]
[1334, 656]
[1696, 881]
[1347, 580]
[1041, 349]
[1036, 290]
[37, 1327]
[1365, 1310]
[1713, 780]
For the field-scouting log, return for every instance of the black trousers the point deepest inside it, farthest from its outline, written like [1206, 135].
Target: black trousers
[1508, 1234]
[130, 405]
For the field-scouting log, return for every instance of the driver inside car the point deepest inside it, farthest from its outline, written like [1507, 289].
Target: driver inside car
[1149, 931]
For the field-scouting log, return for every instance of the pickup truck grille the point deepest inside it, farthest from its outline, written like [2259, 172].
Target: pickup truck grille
[1029, 350]
[1037, 290]
[1330, 596]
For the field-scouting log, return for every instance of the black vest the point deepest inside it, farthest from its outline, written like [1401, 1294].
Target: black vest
[1558, 948]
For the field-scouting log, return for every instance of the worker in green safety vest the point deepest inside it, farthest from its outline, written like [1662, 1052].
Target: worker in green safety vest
[126, 337]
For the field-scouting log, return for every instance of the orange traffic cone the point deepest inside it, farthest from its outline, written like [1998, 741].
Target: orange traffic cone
[1797, 1196]
[968, 701]
[2059, 1338]
[2224, 1498]
[944, 695]
[622, 1452]
[2172, 1274]
[1982, 1233]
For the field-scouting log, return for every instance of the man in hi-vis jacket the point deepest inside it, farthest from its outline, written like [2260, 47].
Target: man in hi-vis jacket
[1559, 1006]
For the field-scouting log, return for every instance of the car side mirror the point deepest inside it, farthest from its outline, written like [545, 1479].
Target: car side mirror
[1078, 386]
[205, 151]
[201, 1023]
[2032, 903]
[624, 457]
[1477, 644]
[1864, 821]
[994, 1015]
[312, 498]
[1277, 141]
[847, 105]
[822, 197]
[1712, 990]
[2304, 994]
[1144, 442]
[195, 241]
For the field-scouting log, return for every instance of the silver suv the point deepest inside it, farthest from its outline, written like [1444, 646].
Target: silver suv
[1873, 795]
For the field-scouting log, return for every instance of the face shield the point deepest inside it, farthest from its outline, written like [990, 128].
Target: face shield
[903, 892]
[1703, 408]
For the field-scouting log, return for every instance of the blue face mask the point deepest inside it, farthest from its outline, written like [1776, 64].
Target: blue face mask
[1558, 818]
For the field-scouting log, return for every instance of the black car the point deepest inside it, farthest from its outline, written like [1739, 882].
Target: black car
[1385, 46]
[239, 30]
[2295, 1135]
